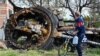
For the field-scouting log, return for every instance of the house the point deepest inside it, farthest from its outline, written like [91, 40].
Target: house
[5, 10]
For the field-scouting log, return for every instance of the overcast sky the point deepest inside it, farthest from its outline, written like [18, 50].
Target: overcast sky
[66, 13]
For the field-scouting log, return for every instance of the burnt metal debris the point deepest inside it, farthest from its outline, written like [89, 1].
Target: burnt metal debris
[31, 27]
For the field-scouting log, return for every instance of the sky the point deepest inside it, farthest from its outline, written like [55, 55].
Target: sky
[20, 3]
[65, 12]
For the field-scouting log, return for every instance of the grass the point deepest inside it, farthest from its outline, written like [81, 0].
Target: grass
[97, 24]
[93, 52]
[10, 52]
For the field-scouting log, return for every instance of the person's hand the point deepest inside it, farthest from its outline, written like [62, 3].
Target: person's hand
[58, 34]
[75, 32]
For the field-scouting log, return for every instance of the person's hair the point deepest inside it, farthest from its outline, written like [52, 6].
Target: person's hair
[77, 13]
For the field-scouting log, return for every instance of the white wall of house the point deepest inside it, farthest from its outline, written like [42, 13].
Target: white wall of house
[5, 8]
[9, 9]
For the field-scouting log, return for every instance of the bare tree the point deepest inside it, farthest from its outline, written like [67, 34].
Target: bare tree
[79, 5]
[95, 10]
[41, 2]
[56, 3]
[48, 2]
[16, 8]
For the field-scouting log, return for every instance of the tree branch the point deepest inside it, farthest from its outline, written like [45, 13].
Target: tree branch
[68, 6]
[32, 2]
[87, 3]
[79, 3]
[76, 4]
[63, 5]
[84, 5]
[16, 8]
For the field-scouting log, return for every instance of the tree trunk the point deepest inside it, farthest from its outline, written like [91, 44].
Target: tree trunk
[48, 2]
[56, 3]
[40, 2]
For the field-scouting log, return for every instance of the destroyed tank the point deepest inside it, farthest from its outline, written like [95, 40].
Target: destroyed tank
[31, 27]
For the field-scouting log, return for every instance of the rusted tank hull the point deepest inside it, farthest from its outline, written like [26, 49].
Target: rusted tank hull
[31, 27]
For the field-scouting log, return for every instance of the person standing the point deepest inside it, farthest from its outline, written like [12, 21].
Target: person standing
[80, 31]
